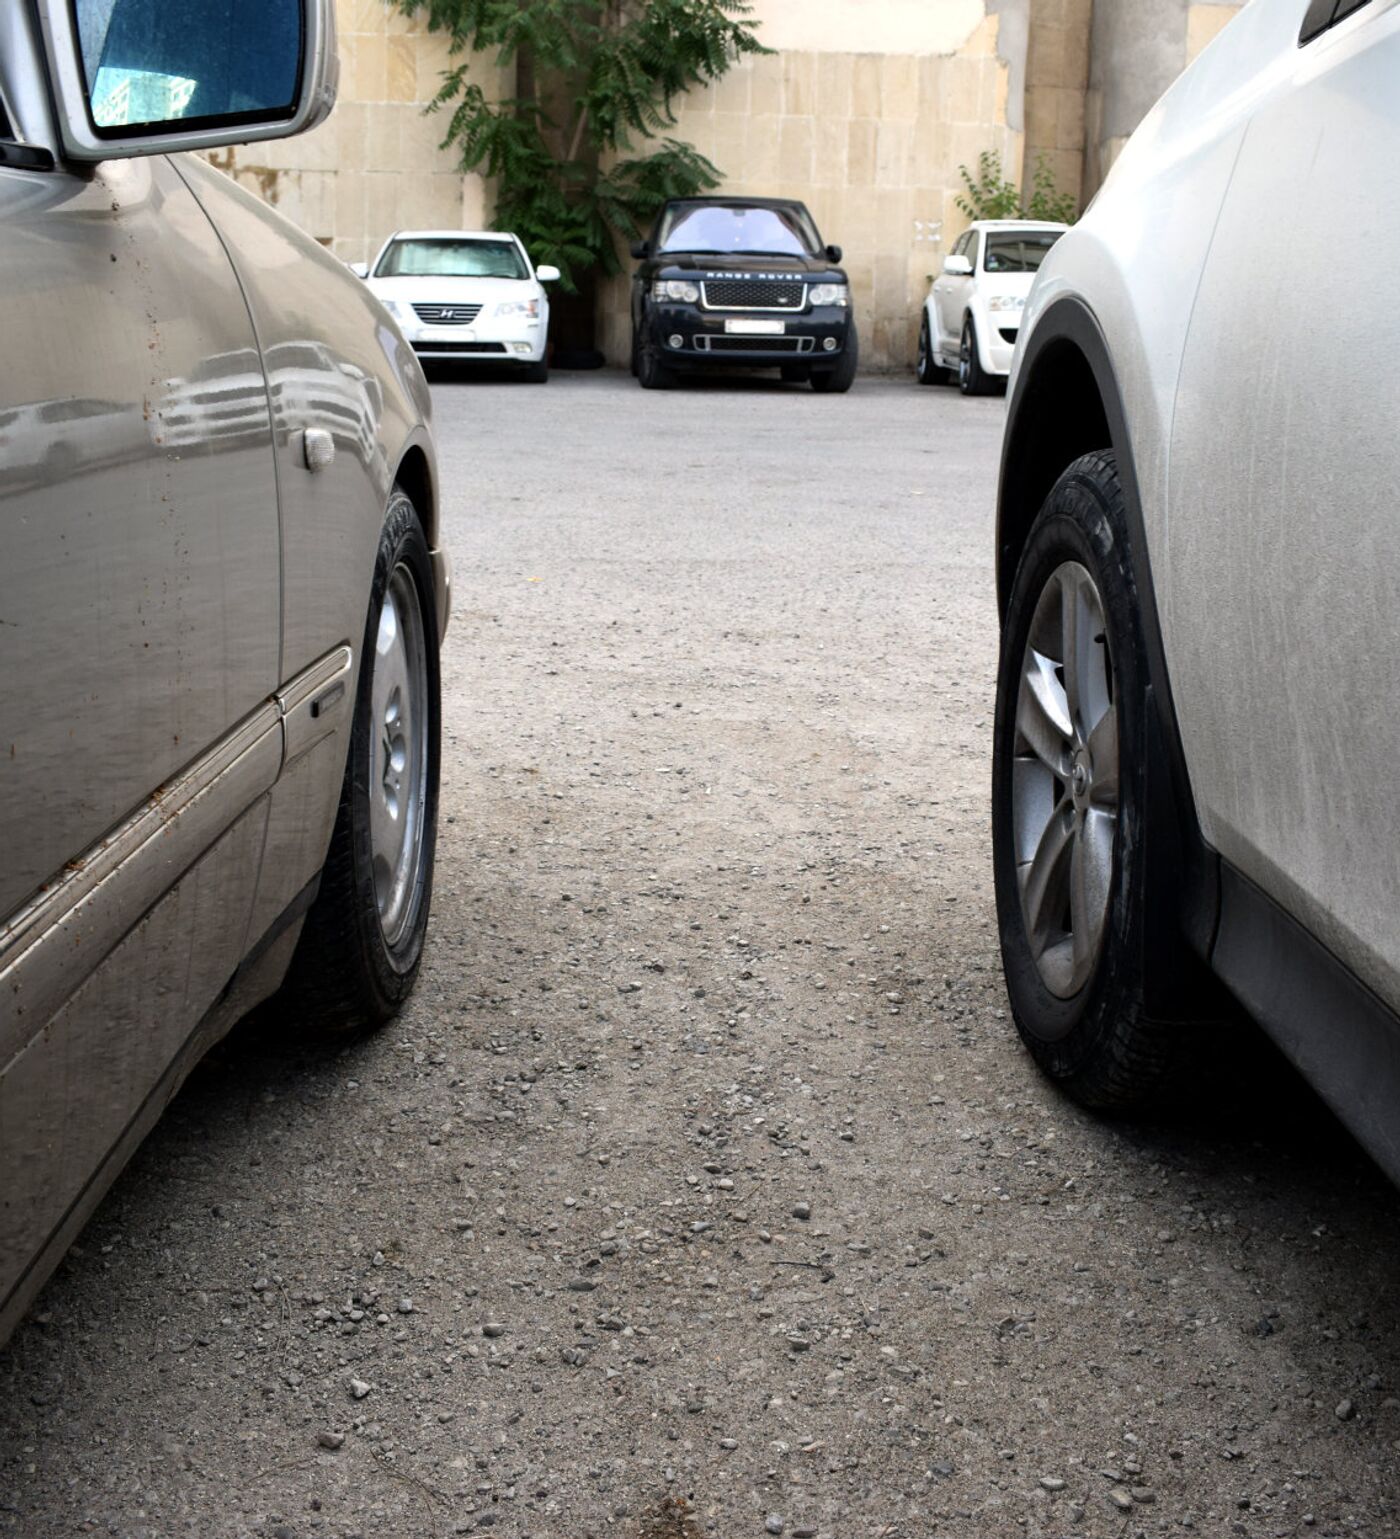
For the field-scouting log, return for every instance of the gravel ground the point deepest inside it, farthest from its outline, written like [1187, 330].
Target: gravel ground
[704, 1189]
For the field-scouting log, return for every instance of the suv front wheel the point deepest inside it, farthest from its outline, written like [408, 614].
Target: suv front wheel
[1069, 802]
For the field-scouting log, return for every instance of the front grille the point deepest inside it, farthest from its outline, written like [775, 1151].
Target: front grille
[447, 315]
[459, 347]
[1008, 333]
[754, 344]
[753, 294]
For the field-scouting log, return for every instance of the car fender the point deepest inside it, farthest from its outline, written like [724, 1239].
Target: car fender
[334, 362]
[981, 318]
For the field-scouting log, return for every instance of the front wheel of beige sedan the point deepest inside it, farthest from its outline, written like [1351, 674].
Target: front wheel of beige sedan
[360, 951]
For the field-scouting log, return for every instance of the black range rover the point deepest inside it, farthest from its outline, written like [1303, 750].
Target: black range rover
[741, 281]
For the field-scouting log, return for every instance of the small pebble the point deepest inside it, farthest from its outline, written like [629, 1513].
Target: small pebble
[802, 1210]
[493, 1328]
[774, 1523]
[1052, 1482]
[331, 1440]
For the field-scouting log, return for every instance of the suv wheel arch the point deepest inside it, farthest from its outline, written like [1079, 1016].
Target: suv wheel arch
[1066, 403]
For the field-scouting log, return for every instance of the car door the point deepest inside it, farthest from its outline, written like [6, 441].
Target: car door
[139, 649]
[1282, 570]
[952, 291]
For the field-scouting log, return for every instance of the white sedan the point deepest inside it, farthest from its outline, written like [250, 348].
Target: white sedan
[973, 313]
[469, 296]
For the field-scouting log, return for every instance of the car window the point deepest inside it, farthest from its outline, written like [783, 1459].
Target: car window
[738, 227]
[973, 240]
[448, 258]
[1018, 253]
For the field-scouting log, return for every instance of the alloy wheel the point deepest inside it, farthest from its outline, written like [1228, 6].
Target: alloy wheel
[1064, 789]
[398, 768]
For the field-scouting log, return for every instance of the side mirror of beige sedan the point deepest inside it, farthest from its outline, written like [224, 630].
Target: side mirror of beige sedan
[145, 77]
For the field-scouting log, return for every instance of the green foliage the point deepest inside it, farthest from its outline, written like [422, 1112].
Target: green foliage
[990, 194]
[1046, 201]
[592, 75]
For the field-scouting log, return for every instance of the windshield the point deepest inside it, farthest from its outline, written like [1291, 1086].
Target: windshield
[449, 258]
[738, 227]
[1018, 253]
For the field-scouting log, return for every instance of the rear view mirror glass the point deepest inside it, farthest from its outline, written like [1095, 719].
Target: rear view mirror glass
[148, 64]
[150, 77]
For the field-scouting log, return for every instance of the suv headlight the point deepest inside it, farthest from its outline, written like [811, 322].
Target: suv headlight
[530, 307]
[830, 293]
[675, 288]
[1006, 302]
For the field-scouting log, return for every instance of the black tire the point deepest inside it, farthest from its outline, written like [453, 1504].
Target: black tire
[536, 373]
[838, 380]
[346, 978]
[926, 371]
[635, 360]
[796, 373]
[973, 379]
[652, 374]
[1098, 1043]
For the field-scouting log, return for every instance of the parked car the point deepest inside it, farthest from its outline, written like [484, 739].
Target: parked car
[741, 282]
[221, 594]
[1198, 567]
[472, 296]
[973, 312]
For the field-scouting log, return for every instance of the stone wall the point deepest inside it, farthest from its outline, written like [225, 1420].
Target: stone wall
[1057, 76]
[865, 110]
[871, 142]
[1137, 48]
[374, 166]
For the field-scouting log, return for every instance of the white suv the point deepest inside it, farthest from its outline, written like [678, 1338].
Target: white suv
[973, 312]
[1198, 551]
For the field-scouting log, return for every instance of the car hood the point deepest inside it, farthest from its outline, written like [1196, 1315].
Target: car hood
[458, 291]
[714, 264]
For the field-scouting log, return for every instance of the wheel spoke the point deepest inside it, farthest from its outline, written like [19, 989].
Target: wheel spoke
[1043, 882]
[1091, 871]
[1042, 715]
[1103, 756]
[1072, 645]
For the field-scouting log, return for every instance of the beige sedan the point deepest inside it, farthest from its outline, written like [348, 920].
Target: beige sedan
[221, 596]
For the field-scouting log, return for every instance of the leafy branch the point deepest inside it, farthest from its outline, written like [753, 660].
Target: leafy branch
[591, 77]
[991, 194]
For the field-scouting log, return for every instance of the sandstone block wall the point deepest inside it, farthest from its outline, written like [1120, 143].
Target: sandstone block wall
[375, 165]
[871, 142]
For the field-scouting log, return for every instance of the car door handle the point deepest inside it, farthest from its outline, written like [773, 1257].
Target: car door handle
[317, 448]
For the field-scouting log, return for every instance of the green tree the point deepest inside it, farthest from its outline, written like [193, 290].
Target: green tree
[590, 77]
[990, 194]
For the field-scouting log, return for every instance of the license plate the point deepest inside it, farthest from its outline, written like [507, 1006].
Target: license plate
[755, 328]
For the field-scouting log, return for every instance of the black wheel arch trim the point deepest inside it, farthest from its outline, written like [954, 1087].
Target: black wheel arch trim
[1182, 870]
